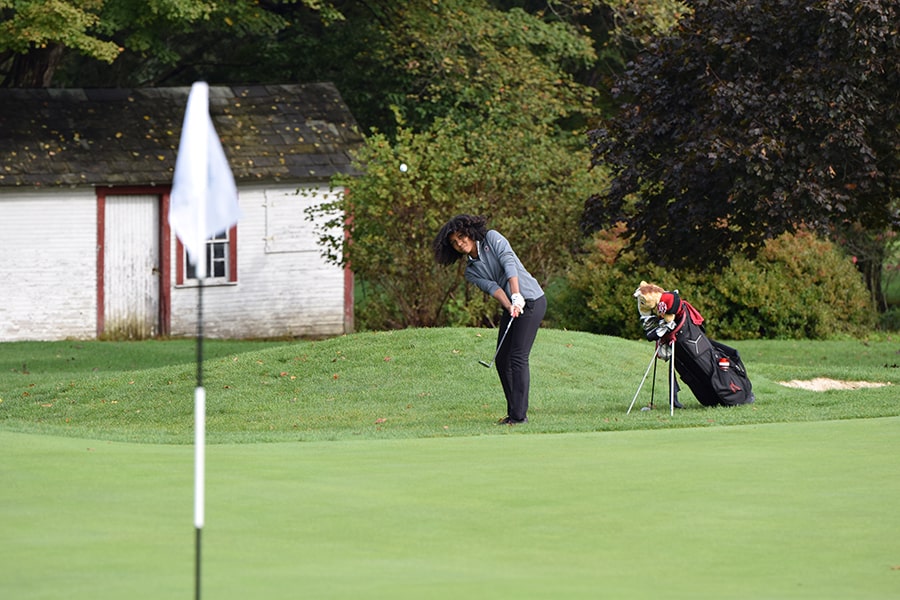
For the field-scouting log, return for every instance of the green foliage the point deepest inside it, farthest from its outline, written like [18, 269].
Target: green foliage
[491, 142]
[529, 183]
[798, 287]
[425, 61]
[466, 57]
[889, 320]
[29, 24]
[165, 39]
[422, 59]
[146, 41]
[381, 53]
[644, 20]
[891, 275]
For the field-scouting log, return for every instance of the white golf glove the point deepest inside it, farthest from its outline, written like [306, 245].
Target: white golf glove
[518, 300]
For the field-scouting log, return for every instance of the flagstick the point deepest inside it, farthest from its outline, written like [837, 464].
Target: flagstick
[202, 177]
[199, 441]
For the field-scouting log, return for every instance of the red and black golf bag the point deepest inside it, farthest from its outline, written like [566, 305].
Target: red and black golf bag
[713, 371]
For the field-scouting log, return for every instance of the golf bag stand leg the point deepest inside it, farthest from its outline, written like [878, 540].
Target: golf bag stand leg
[644, 378]
[672, 379]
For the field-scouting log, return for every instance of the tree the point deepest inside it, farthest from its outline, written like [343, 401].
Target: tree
[533, 195]
[486, 100]
[490, 137]
[754, 118]
[385, 56]
[424, 60]
[131, 42]
[35, 33]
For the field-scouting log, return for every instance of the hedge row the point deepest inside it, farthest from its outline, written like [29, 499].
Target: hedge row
[798, 287]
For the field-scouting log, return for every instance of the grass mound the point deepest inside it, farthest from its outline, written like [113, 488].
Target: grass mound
[414, 383]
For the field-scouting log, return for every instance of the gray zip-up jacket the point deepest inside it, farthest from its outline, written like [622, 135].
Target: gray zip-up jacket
[495, 264]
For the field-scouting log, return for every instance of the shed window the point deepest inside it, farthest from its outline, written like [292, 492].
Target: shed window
[221, 260]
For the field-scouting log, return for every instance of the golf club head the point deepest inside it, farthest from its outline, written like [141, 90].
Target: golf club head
[484, 364]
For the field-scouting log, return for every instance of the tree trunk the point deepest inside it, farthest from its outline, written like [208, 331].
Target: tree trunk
[34, 69]
[871, 270]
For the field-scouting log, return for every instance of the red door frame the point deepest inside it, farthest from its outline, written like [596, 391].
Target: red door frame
[165, 242]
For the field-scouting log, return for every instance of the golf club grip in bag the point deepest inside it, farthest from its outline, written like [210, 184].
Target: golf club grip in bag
[713, 371]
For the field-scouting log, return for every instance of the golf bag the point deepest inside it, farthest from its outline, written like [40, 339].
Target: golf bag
[713, 371]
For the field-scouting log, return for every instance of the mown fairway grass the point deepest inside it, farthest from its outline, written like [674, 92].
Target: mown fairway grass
[402, 486]
[403, 384]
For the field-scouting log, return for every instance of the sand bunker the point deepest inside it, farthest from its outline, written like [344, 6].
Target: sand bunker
[821, 384]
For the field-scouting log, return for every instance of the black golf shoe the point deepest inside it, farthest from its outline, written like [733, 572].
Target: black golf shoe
[508, 421]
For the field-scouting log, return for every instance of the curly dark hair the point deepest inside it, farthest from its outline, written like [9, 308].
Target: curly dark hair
[470, 226]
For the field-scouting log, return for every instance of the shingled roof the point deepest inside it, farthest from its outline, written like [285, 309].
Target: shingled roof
[67, 137]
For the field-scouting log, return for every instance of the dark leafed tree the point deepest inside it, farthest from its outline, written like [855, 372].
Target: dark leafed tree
[755, 117]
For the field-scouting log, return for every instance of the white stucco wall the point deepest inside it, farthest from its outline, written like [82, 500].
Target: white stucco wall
[48, 265]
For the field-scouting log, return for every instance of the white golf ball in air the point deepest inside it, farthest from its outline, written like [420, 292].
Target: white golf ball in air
[403, 167]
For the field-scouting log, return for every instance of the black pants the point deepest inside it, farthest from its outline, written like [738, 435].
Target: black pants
[512, 359]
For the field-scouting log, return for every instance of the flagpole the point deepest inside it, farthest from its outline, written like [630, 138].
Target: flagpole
[203, 202]
[199, 444]
[200, 267]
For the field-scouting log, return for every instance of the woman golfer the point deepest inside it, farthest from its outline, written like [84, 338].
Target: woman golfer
[492, 265]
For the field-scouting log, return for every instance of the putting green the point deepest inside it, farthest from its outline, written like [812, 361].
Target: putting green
[806, 510]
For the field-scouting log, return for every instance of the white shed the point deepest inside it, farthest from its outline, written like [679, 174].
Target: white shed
[85, 246]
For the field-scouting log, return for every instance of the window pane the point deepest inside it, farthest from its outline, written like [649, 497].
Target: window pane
[216, 256]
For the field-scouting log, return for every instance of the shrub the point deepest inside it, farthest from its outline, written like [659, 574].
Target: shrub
[890, 320]
[595, 295]
[799, 287]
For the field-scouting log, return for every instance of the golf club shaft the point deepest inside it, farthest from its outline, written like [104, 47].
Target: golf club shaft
[672, 380]
[503, 337]
[643, 379]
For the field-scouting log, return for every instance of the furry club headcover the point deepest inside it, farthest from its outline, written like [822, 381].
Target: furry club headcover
[653, 300]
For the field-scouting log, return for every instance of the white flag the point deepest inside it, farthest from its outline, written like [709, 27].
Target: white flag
[204, 199]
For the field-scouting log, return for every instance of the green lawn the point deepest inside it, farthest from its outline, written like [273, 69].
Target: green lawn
[382, 474]
[403, 384]
[802, 510]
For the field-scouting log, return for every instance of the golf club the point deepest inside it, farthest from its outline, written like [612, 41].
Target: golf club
[672, 379]
[643, 379]
[490, 364]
